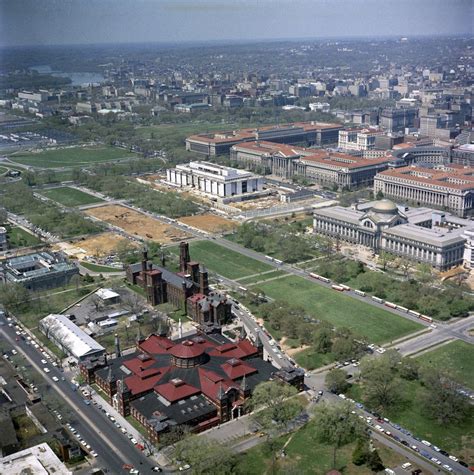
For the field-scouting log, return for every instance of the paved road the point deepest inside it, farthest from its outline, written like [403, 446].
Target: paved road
[113, 447]
[316, 383]
[457, 330]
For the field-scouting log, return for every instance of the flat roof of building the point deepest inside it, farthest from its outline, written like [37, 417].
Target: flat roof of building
[451, 176]
[37, 460]
[342, 160]
[265, 147]
[242, 134]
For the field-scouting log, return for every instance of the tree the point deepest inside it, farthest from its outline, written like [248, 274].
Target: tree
[384, 259]
[405, 266]
[134, 303]
[175, 434]
[336, 381]
[13, 296]
[277, 406]
[381, 390]
[442, 400]
[374, 462]
[409, 369]
[361, 452]
[205, 456]
[322, 339]
[336, 425]
[424, 273]
[127, 252]
[379, 195]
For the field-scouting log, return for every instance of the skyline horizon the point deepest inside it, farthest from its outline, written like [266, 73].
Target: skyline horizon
[81, 22]
[230, 41]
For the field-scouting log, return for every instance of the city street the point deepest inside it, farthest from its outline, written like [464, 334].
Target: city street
[88, 420]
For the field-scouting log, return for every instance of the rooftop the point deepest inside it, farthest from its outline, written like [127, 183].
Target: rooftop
[37, 460]
[452, 176]
[71, 337]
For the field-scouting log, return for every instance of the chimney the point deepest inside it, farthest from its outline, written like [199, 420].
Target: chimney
[117, 346]
[203, 281]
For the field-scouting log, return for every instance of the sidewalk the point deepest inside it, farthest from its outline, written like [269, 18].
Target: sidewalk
[125, 424]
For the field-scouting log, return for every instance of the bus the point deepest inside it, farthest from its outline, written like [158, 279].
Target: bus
[415, 314]
[278, 261]
[242, 289]
[345, 287]
[426, 318]
[269, 258]
[325, 279]
[359, 292]
[390, 304]
[377, 299]
[403, 309]
[337, 287]
[314, 276]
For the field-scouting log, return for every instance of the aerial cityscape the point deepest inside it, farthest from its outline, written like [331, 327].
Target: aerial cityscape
[236, 237]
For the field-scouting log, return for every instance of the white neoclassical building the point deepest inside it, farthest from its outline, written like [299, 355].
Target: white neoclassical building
[419, 234]
[214, 180]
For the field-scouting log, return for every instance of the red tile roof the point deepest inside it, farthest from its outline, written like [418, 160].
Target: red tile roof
[155, 344]
[187, 349]
[236, 369]
[175, 390]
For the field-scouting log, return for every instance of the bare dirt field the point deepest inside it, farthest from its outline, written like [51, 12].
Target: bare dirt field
[258, 203]
[98, 246]
[138, 224]
[209, 222]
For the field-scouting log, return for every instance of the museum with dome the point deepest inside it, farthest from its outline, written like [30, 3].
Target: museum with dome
[420, 234]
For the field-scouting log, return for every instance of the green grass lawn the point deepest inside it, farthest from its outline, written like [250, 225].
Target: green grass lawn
[70, 196]
[456, 357]
[98, 268]
[224, 261]
[304, 455]
[377, 325]
[309, 359]
[70, 157]
[17, 237]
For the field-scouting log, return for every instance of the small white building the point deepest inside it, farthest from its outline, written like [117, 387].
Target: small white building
[69, 337]
[108, 296]
[215, 180]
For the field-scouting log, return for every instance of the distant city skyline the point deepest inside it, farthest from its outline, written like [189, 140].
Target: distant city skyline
[56, 22]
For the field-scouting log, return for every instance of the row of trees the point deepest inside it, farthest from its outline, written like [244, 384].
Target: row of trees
[285, 241]
[142, 196]
[19, 199]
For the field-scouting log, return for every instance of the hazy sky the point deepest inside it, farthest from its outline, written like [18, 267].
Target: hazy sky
[24, 22]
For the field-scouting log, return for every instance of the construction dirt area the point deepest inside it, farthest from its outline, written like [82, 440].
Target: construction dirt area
[209, 222]
[138, 224]
[101, 245]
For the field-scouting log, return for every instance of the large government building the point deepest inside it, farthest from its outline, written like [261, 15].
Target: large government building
[215, 181]
[419, 234]
[324, 167]
[449, 187]
[304, 133]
